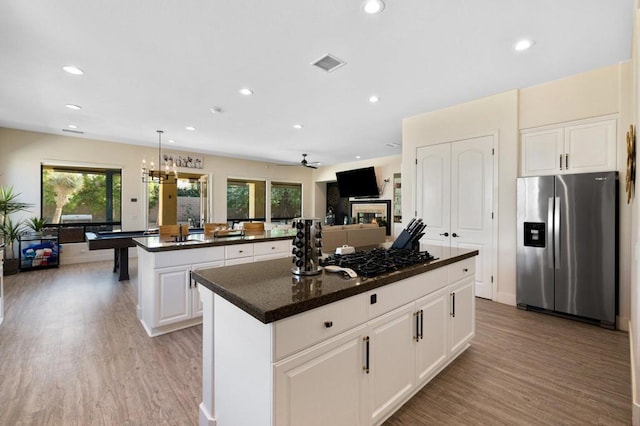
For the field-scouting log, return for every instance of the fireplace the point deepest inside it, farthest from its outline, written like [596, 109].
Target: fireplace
[370, 211]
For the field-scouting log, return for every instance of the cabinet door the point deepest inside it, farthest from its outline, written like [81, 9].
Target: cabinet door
[433, 183]
[462, 312]
[541, 151]
[433, 342]
[173, 295]
[196, 303]
[590, 147]
[392, 359]
[324, 385]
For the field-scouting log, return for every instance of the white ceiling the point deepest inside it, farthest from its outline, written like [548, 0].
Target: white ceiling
[163, 64]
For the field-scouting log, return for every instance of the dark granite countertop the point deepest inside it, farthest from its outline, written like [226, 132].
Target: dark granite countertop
[155, 243]
[269, 291]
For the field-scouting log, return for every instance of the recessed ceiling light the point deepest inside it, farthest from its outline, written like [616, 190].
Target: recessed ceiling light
[171, 141]
[72, 126]
[357, 156]
[72, 106]
[246, 92]
[216, 110]
[298, 126]
[523, 44]
[373, 99]
[73, 70]
[373, 6]
[190, 128]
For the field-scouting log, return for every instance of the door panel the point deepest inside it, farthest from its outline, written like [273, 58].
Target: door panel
[434, 192]
[586, 266]
[534, 272]
[472, 204]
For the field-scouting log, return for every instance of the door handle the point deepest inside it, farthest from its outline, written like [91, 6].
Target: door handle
[566, 161]
[454, 235]
[446, 234]
[560, 161]
[366, 359]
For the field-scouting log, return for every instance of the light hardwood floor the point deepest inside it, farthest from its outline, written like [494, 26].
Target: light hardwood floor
[73, 353]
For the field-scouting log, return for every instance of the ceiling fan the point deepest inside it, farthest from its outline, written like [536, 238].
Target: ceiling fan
[304, 163]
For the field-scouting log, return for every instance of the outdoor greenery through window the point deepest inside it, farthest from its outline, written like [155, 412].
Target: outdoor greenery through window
[286, 201]
[81, 195]
[246, 200]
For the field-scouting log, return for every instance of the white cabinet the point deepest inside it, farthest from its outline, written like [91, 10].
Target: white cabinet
[432, 339]
[392, 356]
[583, 146]
[462, 312]
[369, 369]
[177, 296]
[269, 250]
[323, 385]
[238, 254]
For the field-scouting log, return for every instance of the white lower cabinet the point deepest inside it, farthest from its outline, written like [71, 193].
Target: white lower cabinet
[177, 296]
[433, 343]
[462, 313]
[392, 349]
[363, 375]
[324, 385]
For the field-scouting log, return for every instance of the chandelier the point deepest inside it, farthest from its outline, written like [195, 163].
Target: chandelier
[160, 176]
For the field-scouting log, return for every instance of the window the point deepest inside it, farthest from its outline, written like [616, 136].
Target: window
[246, 200]
[286, 201]
[73, 196]
[181, 203]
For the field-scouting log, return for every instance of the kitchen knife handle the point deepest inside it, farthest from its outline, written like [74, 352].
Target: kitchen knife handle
[556, 233]
[550, 248]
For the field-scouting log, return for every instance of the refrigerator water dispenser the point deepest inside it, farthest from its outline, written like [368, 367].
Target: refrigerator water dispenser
[534, 234]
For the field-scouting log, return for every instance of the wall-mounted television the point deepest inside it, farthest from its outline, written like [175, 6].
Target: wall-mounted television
[358, 183]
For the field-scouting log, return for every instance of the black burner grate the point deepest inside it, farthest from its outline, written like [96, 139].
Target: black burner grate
[377, 261]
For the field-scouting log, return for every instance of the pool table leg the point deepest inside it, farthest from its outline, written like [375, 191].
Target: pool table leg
[121, 263]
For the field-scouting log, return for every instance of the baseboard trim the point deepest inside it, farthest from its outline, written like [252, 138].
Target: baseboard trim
[506, 298]
[635, 407]
[205, 418]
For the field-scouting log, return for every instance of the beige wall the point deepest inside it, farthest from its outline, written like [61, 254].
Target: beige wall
[23, 152]
[599, 92]
[494, 115]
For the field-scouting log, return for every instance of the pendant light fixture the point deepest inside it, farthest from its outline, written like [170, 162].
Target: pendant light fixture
[163, 174]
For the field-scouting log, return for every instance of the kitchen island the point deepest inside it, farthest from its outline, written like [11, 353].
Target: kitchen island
[281, 349]
[167, 296]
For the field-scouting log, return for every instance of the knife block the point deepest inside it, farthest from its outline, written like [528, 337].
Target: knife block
[307, 246]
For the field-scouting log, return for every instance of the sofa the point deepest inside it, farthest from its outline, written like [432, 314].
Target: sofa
[356, 235]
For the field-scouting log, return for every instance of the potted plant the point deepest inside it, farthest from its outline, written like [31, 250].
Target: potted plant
[10, 231]
[36, 224]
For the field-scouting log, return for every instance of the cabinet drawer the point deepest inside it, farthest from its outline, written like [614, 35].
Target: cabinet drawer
[392, 296]
[270, 247]
[238, 250]
[308, 328]
[462, 269]
[188, 256]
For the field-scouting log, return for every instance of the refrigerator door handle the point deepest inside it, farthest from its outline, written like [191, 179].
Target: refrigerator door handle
[550, 232]
[556, 233]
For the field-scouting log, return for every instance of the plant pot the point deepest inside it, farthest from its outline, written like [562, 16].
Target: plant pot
[11, 266]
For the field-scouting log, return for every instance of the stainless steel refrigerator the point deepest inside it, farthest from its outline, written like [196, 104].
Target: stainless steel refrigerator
[567, 259]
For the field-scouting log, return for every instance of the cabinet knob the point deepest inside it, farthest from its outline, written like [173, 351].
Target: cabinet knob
[446, 234]
[328, 324]
[465, 270]
[454, 235]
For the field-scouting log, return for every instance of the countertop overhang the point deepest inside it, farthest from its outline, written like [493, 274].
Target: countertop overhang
[269, 291]
[158, 243]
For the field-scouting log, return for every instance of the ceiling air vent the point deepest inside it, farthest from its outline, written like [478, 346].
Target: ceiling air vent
[328, 63]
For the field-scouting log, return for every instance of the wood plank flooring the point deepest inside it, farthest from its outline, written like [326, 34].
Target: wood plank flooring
[73, 353]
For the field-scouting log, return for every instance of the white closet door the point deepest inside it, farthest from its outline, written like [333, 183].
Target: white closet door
[472, 204]
[434, 192]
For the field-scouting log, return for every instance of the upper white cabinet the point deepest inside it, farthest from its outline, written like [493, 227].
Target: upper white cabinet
[577, 147]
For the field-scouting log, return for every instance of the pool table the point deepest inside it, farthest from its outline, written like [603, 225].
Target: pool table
[119, 241]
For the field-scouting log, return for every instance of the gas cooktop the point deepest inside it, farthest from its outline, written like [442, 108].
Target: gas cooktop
[378, 260]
